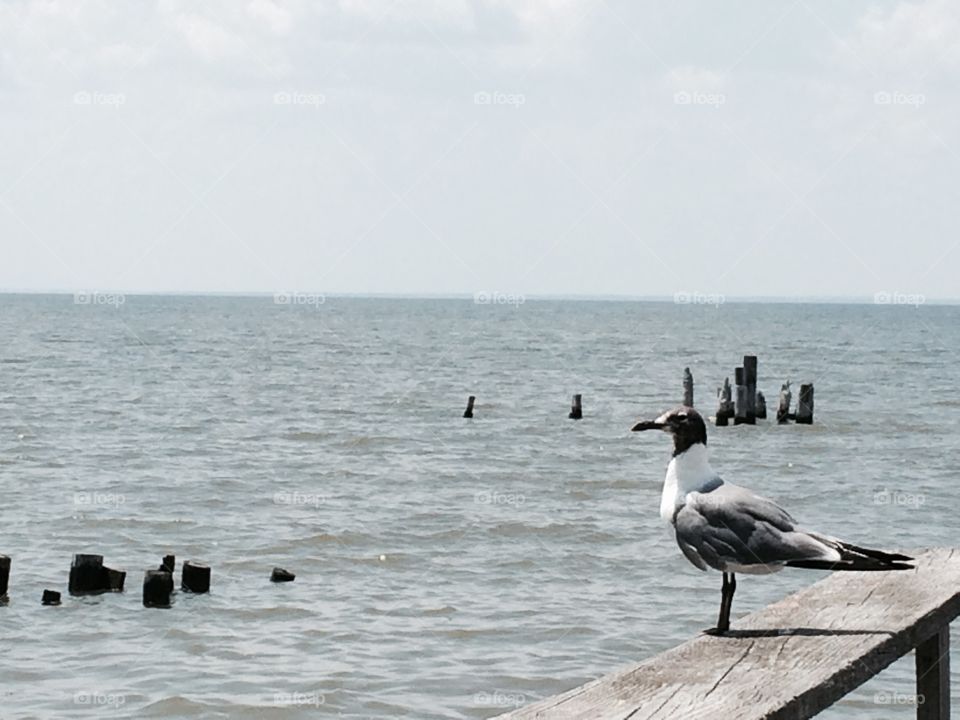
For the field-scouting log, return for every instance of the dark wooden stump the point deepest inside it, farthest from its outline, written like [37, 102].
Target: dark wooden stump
[783, 405]
[761, 407]
[114, 579]
[468, 413]
[740, 415]
[88, 576]
[805, 405]
[50, 597]
[4, 577]
[687, 387]
[195, 577]
[750, 380]
[725, 406]
[281, 575]
[157, 588]
[168, 563]
[576, 409]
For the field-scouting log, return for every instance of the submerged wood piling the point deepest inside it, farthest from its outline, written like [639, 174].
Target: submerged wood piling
[576, 408]
[89, 576]
[750, 380]
[687, 387]
[725, 406]
[783, 405]
[195, 577]
[280, 575]
[740, 416]
[805, 405]
[4, 577]
[50, 597]
[157, 588]
[468, 413]
[761, 406]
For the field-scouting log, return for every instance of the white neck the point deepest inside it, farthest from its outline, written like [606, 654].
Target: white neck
[688, 472]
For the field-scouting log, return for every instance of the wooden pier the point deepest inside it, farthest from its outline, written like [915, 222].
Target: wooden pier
[792, 659]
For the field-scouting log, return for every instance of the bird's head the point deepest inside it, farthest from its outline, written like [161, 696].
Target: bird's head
[684, 423]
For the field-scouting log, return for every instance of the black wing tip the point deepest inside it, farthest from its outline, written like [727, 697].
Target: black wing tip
[861, 565]
[880, 555]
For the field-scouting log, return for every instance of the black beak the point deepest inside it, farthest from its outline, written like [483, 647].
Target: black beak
[648, 425]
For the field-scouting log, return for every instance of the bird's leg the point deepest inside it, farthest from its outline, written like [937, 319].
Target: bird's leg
[726, 602]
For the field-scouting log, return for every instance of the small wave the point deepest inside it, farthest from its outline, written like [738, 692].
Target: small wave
[308, 436]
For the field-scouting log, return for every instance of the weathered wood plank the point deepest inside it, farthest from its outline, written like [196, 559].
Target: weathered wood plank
[788, 661]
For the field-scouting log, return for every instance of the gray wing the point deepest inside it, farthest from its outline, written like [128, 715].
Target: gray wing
[729, 525]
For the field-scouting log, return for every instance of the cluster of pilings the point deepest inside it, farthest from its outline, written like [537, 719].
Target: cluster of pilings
[745, 405]
[742, 402]
[89, 576]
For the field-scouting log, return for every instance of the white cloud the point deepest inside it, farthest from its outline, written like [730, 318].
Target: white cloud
[912, 38]
[278, 19]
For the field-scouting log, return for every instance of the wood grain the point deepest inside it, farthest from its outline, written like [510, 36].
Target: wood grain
[788, 661]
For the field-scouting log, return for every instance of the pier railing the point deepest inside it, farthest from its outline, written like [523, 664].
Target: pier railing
[794, 658]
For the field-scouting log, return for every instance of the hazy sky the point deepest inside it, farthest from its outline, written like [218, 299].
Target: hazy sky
[521, 146]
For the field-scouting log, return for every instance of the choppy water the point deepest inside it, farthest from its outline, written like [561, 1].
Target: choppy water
[445, 568]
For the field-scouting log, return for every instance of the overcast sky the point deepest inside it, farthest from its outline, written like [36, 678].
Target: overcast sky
[516, 146]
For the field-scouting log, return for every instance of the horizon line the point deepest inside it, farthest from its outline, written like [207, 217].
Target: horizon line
[493, 297]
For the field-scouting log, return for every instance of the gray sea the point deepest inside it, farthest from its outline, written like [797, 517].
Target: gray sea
[446, 568]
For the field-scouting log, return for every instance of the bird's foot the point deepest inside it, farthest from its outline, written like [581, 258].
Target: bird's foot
[719, 632]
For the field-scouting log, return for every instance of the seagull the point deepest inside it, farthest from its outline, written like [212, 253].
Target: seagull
[728, 528]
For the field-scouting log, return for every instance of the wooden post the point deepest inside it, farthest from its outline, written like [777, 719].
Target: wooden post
[195, 577]
[687, 387]
[576, 409]
[740, 418]
[50, 597]
[750, 380]
[281, 575]
[805, 405]
[468, 413]
[725, 407]
[157, 587]
[761, 407]
[168, 563]
[783, 406]
[88, 576]
[933, 676]
[4, 577]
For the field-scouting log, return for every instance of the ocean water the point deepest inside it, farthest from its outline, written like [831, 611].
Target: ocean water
[446, 568]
